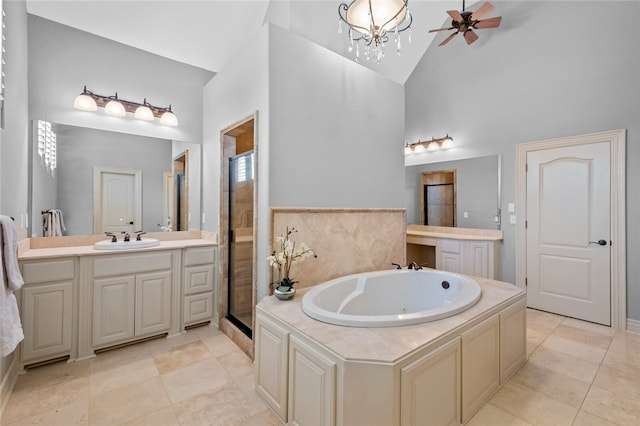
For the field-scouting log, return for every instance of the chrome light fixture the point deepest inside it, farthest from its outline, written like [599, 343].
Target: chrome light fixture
[89, 101]
[429, 146]
[371, 21]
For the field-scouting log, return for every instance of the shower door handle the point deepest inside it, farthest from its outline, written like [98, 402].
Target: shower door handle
[599, 242]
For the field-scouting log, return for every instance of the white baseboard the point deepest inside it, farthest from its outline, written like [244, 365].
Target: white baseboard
[7, 385]
[633, 326]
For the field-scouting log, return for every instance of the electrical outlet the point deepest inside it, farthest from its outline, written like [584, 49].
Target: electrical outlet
[512, 219]
[466, 215]
[511, 207]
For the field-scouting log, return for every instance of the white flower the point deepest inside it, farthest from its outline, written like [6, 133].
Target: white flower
[289, 253]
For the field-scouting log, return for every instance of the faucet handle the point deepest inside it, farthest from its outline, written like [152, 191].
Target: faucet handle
[397, 265]
[114, 239]
[138, 234]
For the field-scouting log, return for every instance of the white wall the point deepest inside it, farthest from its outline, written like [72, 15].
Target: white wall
[537, 76]
[63, 59]
[194, 174]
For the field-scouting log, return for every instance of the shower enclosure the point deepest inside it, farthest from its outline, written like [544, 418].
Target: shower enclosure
[240, 264]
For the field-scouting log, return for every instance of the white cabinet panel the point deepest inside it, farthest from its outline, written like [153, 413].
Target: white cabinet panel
[198, 307]
[311, 386]
[271, 366]
[47, 320]
[153, 303]
[113, 309]
[513, 340]
[198, 279]
[480, 364]
[430, 388]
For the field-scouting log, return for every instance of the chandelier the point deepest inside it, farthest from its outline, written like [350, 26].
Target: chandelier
[371, 22]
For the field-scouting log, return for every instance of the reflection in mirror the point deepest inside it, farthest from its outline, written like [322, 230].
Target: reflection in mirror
[463, 193]
[73, 189]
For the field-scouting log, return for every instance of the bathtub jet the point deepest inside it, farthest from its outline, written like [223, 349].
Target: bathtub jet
[391, 298]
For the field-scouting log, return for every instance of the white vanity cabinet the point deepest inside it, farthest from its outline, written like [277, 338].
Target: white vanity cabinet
[133, 295]
[448, 255]
[47, 307]
[198, 284]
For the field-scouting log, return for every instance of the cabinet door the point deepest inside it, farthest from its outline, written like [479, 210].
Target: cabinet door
[448, 255]
[513, 339]
[198, 279]
[198, 307]
[153, 303]
[480, 364]
[311, 386]
[113, 308]
[430, 388]
[271, 361]
[47, 313]
[450, 262]
[477, 259]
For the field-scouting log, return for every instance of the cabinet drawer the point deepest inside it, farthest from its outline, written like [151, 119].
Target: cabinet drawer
[198, 307]
[199, 256]
[198, 279]
[55, 270]
[131, 263]
[451, 246]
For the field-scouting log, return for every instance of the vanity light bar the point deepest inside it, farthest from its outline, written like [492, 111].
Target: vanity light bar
[429, 146]
[89, 101]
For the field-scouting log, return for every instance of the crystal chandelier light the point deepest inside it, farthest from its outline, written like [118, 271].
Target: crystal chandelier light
[373, 22]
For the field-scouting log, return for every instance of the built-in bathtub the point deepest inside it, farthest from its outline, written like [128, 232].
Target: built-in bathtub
[438, 372]
[391, 298]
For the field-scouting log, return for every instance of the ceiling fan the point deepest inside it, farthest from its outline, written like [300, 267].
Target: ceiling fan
[465, 22]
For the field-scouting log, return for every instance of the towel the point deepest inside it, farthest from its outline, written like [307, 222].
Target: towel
[53, 223]
[10, 327]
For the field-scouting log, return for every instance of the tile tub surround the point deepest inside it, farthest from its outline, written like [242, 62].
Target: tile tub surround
[46, 394]
[346, 241]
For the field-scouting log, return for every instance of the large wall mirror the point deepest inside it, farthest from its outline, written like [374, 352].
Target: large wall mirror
[109, 181]
[462, 193]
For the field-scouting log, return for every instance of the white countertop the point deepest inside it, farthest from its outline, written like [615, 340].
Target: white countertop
[41, 253]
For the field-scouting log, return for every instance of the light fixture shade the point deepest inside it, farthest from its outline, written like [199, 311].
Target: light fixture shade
[143, 112]
[433, 146]
[419, 149]
[85, 103]
[114, 107]
[408, 150]
[169, 119]
[447, 143]
[386, 14]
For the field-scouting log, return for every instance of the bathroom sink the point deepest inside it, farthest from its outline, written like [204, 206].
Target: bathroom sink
[126, 245]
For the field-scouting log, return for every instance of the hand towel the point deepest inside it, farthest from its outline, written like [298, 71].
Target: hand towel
[11, 277]
[10, 326]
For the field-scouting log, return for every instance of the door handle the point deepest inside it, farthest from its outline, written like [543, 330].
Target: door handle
[599, 242]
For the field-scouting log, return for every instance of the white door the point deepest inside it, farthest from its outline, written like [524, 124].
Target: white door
[568, 231]
[118, 199]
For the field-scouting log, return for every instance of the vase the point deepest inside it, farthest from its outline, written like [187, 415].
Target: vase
[286, 294]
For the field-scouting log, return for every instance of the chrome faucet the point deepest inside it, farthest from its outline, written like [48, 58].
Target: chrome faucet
[114, 239]
[127, 237]
[139, 234]
[414, 265]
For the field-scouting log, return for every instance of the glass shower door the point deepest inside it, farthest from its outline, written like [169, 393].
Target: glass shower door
[240, 273]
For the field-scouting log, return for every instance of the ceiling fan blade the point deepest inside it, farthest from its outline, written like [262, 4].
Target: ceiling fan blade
[470, 36]
[482, 10]
[446, 40]
[440, 29]
[488, 23]
[455, 15]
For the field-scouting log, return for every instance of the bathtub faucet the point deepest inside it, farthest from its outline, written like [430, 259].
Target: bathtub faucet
[414, 265]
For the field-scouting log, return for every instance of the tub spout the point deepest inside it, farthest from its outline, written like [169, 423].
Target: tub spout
[414, 265]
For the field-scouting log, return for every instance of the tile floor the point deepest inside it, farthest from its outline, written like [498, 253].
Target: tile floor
[578, 374]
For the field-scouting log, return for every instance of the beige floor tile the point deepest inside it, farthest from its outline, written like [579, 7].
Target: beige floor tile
[76, 413]
[584, 336]
[117, 357]
[225, 406]
[206, 332]
[585, 419]
[237, 363]
[544, 322]
[623, 362]
[564, 364]
[219, 345]
[618, 381]
[625, 343]
[575, 348]
[162, 417]
[264, 418]
[53, 374]
[533, 407]
[127, 403]
[162, 346]
[589, 326]
[202, 377]
[182, 356]
[40, 397]
[541, 379]
[490, 415]
[616, 408]
[124, 375]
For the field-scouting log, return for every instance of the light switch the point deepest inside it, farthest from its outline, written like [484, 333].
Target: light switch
[203, 218]
[466, 215]
[511, 207]
[512, 219]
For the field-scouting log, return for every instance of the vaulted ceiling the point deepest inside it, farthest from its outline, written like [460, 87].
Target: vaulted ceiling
[206, 33]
